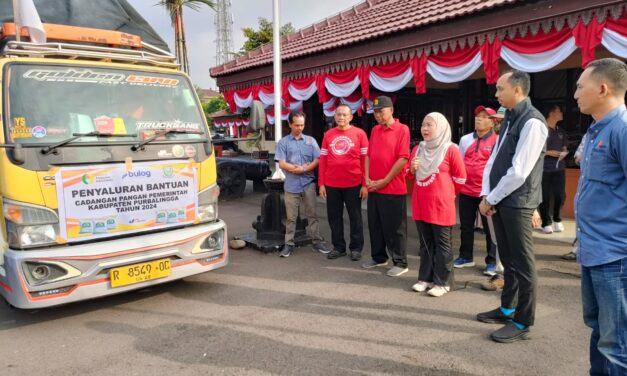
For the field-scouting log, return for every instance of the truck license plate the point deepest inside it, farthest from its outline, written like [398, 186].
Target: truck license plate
[127, 275]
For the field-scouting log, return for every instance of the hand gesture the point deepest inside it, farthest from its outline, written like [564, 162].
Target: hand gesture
[415, 163]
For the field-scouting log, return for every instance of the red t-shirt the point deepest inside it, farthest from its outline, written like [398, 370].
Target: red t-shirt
[342, 158]
[433, 199]
[387, 145]
[475, 152]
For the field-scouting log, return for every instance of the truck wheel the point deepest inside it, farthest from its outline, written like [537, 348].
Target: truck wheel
[232, 180]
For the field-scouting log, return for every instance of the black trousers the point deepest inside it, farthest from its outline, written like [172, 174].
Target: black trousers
[512, 227]
[436, 253]
[387, 224]
[337, 198]
[468, 206]
[553, 196]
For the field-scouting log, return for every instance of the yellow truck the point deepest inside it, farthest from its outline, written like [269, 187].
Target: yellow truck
[107, 175]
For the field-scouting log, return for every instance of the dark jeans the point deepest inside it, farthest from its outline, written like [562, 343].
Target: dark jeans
[436, 253]
[512, 227]
[604, 298]
[336, 199]
[553, 196]
[468, 206]
[387, 224]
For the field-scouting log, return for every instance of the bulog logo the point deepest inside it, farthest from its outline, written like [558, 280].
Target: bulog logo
[137, 174]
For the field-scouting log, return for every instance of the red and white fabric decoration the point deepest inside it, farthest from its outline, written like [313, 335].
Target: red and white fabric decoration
[454, 66]
[329, 107]
[266, 98]
[342, 84]
[540, 52]
[270, 117]
[615, 36]
[296, 106]
[243, 99]
[531, 53]
[302, 89]
[390, 77]
[354, 101]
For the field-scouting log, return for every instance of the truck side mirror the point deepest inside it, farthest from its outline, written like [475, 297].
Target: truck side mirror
[18, 154]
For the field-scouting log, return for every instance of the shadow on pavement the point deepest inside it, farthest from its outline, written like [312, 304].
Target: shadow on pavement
[222, 347]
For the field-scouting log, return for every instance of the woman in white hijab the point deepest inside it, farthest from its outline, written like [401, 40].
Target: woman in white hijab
[438, 168]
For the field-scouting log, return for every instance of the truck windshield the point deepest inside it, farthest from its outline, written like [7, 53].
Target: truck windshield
[50, 103]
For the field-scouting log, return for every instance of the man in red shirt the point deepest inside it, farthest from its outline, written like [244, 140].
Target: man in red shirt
[388, 153]
[475, 148]
[342, 181]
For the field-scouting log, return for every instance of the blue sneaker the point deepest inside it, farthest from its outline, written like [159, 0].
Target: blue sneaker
[463, 263]
[490, 270]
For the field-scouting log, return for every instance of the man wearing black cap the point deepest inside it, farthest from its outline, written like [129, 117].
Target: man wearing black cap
[388, 153]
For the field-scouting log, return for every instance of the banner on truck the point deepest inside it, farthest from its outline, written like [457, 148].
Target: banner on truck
[107, 200]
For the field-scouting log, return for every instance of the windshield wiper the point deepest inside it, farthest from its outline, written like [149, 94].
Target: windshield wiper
[160, 133]
[50, 148]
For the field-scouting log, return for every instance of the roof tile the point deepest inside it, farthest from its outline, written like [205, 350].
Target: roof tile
[367, 20]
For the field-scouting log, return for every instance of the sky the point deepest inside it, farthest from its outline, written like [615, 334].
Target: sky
[200, 30]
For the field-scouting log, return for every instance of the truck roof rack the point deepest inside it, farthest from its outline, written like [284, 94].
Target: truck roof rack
[150, 55]
[73, 42]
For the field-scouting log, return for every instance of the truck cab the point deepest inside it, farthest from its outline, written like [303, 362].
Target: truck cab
[107, 170]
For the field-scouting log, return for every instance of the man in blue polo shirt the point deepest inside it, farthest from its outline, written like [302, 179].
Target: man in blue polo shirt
[601, 214]
[298, 156]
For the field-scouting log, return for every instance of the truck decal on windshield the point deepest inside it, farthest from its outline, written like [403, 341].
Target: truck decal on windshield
[176, 124]
[153, 81]
[74, 75]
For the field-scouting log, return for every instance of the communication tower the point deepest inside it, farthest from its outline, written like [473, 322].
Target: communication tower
[224, 31]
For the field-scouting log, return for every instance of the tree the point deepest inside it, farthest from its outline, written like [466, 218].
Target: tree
[215, 104]
[175, 8]
[256, 38]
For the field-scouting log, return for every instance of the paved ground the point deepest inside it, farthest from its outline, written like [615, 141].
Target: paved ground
[298, 316]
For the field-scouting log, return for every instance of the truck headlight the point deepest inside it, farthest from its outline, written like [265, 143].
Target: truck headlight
[29, 226]
[208, 204]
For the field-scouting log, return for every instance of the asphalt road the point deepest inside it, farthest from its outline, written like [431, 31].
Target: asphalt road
[304, 315]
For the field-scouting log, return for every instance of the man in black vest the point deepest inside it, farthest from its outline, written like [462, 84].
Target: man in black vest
[511, 191]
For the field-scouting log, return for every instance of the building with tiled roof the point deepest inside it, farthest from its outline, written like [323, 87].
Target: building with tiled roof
[431, 55]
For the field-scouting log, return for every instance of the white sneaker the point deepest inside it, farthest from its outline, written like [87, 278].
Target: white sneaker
[438, 291]
[547, 229]
[422, 286]
[558, 227]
